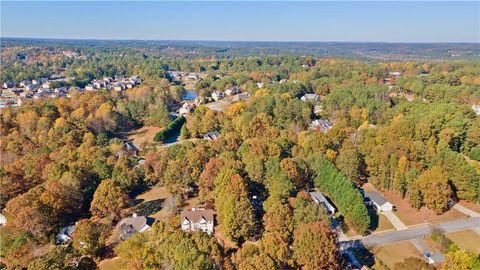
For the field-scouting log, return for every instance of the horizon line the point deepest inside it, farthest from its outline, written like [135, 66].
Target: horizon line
[245, 41]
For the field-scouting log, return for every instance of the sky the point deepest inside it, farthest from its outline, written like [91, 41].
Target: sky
[244, 21]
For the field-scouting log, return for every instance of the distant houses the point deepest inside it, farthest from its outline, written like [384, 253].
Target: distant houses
[378, 201]
[198, 220]
[319, 198]
[134, 224]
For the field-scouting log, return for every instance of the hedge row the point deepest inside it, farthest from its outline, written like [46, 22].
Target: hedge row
[171, 129]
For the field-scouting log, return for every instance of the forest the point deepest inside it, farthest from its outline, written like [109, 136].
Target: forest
[62, 161]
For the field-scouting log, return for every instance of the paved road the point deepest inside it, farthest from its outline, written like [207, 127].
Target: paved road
[411, 233]
[466, 211]
[396, 222]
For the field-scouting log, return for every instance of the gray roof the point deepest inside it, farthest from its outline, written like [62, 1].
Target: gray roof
[376, 198]
[130, 225]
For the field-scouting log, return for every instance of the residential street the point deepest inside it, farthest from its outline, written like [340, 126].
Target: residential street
[411, 233]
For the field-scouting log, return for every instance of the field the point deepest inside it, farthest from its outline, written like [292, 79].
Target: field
[151, 202]
[143, 135]
[467, 239]
[394, 253]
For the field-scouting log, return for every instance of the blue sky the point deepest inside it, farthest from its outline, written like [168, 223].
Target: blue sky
[247, 21]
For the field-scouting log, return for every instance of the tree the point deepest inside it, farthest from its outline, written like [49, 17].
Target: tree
[108, 199]
[315, 246]
[279, 219]
[88, 237]
[350, 163]
[125, 174]
[435, 189]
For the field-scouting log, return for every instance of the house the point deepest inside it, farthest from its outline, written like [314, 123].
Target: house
[319, 198]
[240, 97]
[65, 234]
[130, 148]
[99, 84]
[476, 109]
[321, 125]
[378, 201]
[395, 74]
[193, 76]
[317, 109]
[89, 87]
[232, 91]
[3, 220]
[30, 87]
[24, 83]
[310, 97]
[212, 135]
[131, 225]
[260, 84]
[217, 95]
[185, 109]
[8, 84]
[198, 220]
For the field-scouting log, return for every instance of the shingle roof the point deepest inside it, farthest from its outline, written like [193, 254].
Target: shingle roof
[197, 215]
[376, 198]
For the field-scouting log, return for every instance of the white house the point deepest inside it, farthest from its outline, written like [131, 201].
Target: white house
[217, 95]
[131, 225]
[65, 234]
[89, 87]
[185, 109]
[260, 84]
[379, 202]
[3, 220]
[476, 109]
[319, 198]
[321, 125]
[198, 220]
[310, 97]
[232, 91]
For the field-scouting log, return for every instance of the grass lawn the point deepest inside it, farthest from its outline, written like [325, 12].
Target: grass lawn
[150, 203]
[467, 239]
[111, 264]
[378, 221]
[394, 253]
[383, 224]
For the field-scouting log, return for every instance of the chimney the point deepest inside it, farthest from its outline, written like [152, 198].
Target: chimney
[134, 215]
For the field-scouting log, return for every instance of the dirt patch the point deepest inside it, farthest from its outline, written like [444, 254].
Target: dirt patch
[467, 239]
[227, 244]
[43, 250]
[394, 253]
[111, 264]
[143, 135]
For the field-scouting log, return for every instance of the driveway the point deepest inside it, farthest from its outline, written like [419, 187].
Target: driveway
[396, 222]
[466, 211]
[419, 231]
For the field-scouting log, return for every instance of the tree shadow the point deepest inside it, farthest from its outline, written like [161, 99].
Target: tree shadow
[374, 218]
[148, 208]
